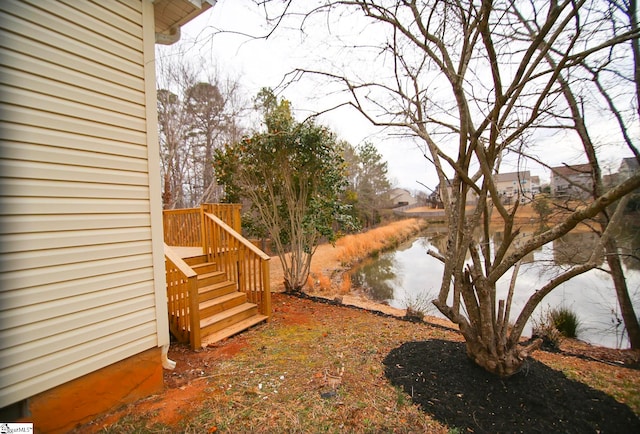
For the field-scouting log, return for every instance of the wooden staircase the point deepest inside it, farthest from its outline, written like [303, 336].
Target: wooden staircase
[217, 281]
[224, 311]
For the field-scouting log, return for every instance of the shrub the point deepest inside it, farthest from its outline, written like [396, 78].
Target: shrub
[419, 306]
[554, 324]
[565, 321]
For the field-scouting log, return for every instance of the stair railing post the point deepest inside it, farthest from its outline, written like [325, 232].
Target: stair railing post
[203, 230]
[266, 289]
[194, 314]
[236, 218]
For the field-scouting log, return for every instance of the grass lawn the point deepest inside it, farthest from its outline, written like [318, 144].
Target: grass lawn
[322, 367]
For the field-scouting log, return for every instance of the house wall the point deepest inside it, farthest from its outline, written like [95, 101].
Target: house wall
[571, 182]
[510, 185]
[82, 271]
[401, 197]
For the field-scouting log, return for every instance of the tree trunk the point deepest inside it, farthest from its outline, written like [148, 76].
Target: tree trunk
[624, 301]
[500, 360]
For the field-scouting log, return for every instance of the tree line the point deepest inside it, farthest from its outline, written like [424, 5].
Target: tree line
[198, 117]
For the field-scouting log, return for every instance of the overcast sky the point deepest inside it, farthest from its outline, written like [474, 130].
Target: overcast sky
[263, 63]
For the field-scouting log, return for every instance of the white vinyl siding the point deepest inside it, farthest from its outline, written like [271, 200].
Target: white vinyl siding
[77, 278]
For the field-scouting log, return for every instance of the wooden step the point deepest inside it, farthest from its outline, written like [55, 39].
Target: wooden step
[195, 260]
[220, 304]
[232, 330]
[228, 318]
[205, 267]
[207, 279]
[216, 290]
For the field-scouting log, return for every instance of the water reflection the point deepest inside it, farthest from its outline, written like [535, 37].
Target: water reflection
[575, 248]
[380, 276]
[408, 276]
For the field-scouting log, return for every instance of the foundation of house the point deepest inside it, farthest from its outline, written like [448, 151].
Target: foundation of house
[62, 408]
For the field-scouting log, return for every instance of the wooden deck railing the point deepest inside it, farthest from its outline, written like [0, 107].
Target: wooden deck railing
[183, 227]
[241, 261]
[182, 299]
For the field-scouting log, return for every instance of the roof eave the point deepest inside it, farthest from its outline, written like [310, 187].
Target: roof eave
[170, 15]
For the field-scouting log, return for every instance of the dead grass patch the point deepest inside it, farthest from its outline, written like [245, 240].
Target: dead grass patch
[354, 248]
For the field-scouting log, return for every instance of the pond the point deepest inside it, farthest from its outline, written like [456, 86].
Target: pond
[408, 276]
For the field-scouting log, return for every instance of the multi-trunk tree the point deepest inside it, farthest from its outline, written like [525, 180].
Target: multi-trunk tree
[478, 82]
[293, 176]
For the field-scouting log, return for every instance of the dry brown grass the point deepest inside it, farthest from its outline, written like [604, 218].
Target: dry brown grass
[354, 248]
[327, 277]
[313, 368]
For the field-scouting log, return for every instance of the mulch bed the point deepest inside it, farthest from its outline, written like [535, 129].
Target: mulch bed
[440, 378]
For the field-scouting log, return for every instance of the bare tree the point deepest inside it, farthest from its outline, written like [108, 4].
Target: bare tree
[173, 124]
[195, 116]
[478, 82]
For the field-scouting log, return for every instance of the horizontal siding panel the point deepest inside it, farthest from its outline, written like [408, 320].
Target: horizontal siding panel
[78, 255]
[57, 122]
[22, 390]
[72, 109]
[90, 97]
[127, 6]
[56, 73]
[59, 240]
[24, 135]
[39, 313]
[44, 188]
[17, 279]
[59, 172]
[58, 360]
[82, 28]
[25, 352]
[77, 282]
[56, 40]
[53, 291]
[73, 62]
[41, 223]
[12, 338]
[52, 206]
[72, 157]
[113, 16]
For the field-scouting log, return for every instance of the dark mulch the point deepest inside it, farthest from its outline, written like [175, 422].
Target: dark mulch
[446, 384]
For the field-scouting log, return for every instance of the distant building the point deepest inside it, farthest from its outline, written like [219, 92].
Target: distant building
[519, 185]
[401, 197]
[472, 197]
[571, 182]
[628, 167]
[535, 185]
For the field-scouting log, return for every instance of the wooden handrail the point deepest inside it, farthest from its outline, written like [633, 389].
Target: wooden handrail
[183, 227]
[182, 299]
[238, 237]
[184, 268]
[242, 262]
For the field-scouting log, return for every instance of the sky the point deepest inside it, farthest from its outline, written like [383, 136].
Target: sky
[262, 63]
